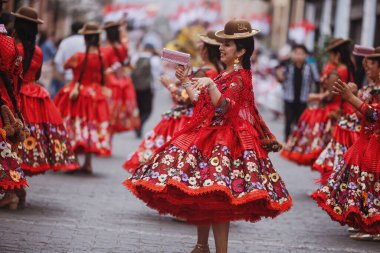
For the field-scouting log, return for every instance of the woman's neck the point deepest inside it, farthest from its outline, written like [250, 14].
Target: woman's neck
[208, 65]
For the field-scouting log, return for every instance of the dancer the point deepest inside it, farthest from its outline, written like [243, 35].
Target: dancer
[182, 109]
[48, 146]
[315, 127]
[346, 133]
[122, 103]
[351, 195]
[83, 104]
[216, 169]
[12, 131]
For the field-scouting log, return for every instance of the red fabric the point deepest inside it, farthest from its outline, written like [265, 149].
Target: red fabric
[11, 65]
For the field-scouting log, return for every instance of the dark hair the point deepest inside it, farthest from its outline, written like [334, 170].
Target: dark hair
[113, 36]
[213, 54]
[344, 51]
[249, 45]
[5, 18]
[92, 40]
[76, 26]
[300, 46]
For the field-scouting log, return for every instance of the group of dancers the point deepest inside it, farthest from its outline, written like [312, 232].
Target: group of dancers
[39, 134]
[338, 135]
[206, 162]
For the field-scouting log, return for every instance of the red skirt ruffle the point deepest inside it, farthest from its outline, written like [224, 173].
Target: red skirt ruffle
[208, 182]
[160, 134]
[309, 137]
[86, 119]
[48, 146]
[124, 113]
[11, 174]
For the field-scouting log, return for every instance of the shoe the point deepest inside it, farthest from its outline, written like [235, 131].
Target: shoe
[376, 238]
[353, 230]
[201, 248]
[362, 237]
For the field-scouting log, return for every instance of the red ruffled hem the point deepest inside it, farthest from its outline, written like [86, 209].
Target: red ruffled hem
[352, 216]
[11, 185]
[83, 148]
[345, 137]
[32, 171]
[206, 205]
[301, 159]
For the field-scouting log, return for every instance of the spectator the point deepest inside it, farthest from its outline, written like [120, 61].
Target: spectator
[297, 78]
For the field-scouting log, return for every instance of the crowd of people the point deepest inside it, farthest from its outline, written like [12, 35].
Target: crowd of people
[206, 162]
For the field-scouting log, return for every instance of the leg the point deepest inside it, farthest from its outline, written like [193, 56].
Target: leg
[10, 200]
[87, 166]
[288, 119]
[142, 102]
[221, 236]
[300, 108]
[202, 241]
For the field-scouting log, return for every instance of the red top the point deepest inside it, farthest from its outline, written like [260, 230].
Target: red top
[111, 56]
[92, 72]
[11, 64]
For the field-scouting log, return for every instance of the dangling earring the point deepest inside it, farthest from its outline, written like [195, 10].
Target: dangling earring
[236, 64]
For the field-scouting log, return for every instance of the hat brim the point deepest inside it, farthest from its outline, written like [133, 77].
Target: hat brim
[331, 47]
[222, 35]
[373, 56]
[208, 40]
[38, 21]
[84, 32]
[111, 25]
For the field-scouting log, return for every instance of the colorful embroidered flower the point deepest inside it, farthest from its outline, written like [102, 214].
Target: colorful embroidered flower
[376, 202]
[219, 169]
[247, 177]
[208, 182]
[337, 209]
[3, 145]
[192, 181]
[221, 183]
[238, 185]
[30, 143]
[215, 161]
[162, 178]
[185, 177]
[15, 175]
[274, 177]
[225, 161]
[343, 187]
[57, 146]
[6, 153]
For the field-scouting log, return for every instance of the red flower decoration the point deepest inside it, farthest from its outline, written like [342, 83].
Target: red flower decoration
[238, 185]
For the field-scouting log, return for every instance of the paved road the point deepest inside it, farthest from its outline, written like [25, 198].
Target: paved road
[74, 214]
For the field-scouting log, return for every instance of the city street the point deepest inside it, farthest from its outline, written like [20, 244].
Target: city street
[78, 213]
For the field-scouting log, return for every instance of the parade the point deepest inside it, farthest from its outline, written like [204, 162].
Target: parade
[199, 137]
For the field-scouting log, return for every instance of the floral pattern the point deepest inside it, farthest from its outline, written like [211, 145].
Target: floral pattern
[162, 133]
[89, 136]
[240, 180]
[11, 174]
[47, 147]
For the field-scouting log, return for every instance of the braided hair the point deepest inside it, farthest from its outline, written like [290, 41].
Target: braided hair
[113, 36]
[213, 54]
[92, 40]
[26, 32]
[345, 57]
[249, 45]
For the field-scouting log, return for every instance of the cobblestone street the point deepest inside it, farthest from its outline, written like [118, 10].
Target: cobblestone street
[78, 213]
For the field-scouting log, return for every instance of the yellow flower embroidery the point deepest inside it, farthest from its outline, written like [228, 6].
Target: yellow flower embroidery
[215, 161]
[30, 143]
[14, 175]
[57, 146]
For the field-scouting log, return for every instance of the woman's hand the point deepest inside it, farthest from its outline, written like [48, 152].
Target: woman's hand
[342, 89]
[181, 72]
[74, 94]
[202, 82]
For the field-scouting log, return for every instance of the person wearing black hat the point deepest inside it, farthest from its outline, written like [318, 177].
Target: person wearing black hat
[297, 78]
[216, 169]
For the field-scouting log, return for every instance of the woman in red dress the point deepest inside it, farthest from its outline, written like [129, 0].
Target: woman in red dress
[315, 126]
[12, 177]
[182, 109]
[351, 195]
[83, 103]
[216, 169]
[122, 103]
[346, 133]
[48, 146]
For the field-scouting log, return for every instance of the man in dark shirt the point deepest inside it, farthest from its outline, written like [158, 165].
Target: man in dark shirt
[297, 78]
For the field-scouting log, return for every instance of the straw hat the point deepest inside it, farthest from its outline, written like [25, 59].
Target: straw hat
[90, 28]
[110, 24]
[336, 42]
[28, 13]
[210, 38]
[375, 54]
[237, 29]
